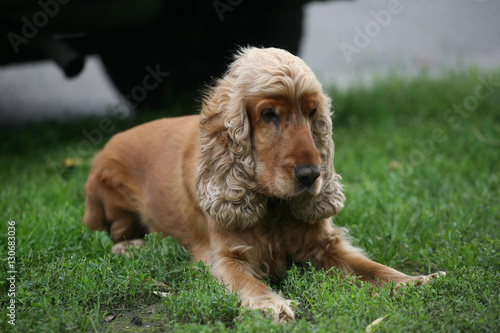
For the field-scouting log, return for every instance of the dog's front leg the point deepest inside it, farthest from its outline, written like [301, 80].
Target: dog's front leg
[332, 249]
[233, 270]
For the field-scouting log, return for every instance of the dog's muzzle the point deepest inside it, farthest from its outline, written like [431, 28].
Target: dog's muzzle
[307, 174]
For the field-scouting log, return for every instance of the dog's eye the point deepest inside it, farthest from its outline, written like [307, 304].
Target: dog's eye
[269, 116]
[313, 112]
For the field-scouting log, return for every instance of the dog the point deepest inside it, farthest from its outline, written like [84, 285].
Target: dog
[248, 186]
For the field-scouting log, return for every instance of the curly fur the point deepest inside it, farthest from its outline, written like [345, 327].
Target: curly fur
[226, 181]
[247, 186]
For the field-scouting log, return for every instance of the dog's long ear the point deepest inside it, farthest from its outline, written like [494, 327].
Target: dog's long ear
[330, 200]
[225, 178]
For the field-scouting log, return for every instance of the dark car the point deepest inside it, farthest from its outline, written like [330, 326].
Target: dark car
[190, 40]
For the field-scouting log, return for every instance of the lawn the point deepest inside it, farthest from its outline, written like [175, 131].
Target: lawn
[420, 160]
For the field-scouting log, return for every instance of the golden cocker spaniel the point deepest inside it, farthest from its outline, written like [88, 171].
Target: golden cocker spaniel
[248, 186]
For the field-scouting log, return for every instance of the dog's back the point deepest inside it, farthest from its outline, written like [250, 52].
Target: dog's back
[145, 175]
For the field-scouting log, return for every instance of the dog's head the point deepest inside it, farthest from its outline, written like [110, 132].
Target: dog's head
[266, 132]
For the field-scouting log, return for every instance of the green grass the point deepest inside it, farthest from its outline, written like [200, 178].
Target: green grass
[422, 188]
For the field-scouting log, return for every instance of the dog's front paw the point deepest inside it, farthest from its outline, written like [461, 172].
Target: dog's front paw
[279, 308]
[125, 248]
[419, 280]
[424, 279]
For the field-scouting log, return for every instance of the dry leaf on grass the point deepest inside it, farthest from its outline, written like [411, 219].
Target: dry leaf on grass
[161, 293]
[156, 283]
[71, 162]
[110, 317]
[374, 324]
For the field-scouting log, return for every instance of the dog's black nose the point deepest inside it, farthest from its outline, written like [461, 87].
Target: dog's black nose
[307, 174]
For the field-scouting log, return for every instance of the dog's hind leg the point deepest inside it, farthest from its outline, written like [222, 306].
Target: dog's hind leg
[95, 217]
[109, 206]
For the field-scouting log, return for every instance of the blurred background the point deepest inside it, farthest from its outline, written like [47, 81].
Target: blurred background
[65, 60]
